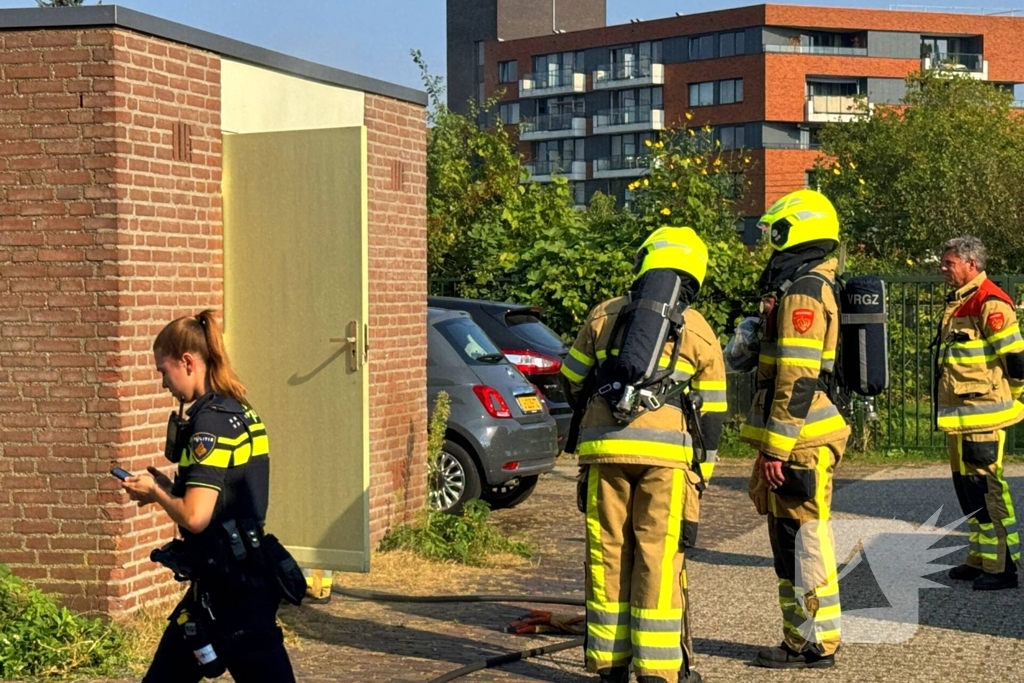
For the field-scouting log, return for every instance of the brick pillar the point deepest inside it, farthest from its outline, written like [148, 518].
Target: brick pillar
[396, 136]
[104, 236]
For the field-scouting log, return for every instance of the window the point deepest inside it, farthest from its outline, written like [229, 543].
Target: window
[730, 91]
[508, 112]
[508, 72]
[731, 137]
[469, 341]
[559, 150]
[702, 48]
[730, 44]
[702, 94]
[561, 105]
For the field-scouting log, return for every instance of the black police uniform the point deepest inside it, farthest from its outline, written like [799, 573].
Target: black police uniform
[224, 447]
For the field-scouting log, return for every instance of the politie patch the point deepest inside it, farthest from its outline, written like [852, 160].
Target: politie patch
[996, 321]
[803, 318]
[201, 445]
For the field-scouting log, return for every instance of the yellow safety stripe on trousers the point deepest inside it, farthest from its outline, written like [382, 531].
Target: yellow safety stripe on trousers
[596, 555]
[576, 365]
[675, 526]
[980, 415]
[608, 631]
[829, 612]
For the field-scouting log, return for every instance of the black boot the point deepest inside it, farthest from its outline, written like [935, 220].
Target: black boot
[650, 679]
[784, 657]
[997, 582]
[616, 674]
[964, 572]
[689, 676]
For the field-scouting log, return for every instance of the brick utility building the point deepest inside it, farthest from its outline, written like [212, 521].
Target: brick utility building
[147, 171]
[766, 77]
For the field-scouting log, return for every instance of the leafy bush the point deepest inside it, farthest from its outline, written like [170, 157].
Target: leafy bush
[39, 638]
[467, 539]
[435, 440]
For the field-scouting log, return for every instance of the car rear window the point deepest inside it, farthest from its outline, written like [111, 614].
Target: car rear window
[530, 329]
[470, 342]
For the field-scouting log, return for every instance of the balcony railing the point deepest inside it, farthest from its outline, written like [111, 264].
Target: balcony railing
[550, 122]
[834, 104]
[624, 116]
[954, 61]
[628, 162]
[554, 78]
[551, 167]
[624, 71]
[818, 50]
[791, 144]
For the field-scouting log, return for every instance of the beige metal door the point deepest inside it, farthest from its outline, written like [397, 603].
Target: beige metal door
[295, 310]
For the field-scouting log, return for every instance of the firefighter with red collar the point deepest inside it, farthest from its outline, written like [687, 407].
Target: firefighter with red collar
[979, 378]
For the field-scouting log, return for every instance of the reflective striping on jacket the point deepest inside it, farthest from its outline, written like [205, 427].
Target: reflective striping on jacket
[983, 415]
[577, 365]
[1007, 341]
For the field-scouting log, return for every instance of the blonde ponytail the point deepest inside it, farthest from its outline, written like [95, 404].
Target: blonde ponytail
[201, 335]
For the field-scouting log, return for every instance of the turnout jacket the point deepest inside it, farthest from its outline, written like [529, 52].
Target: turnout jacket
[659, 437]
[790, 412]
[980, 361]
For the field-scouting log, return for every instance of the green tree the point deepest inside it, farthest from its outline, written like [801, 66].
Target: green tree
[948, 161]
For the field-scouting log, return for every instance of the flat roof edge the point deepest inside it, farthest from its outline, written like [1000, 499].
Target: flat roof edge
[122, 17]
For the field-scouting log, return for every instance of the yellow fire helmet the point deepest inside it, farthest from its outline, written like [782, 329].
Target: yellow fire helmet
[676, 248]
[801, 217]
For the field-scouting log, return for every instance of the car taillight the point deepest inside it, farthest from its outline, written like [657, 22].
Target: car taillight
[494, 404]
[531, 362]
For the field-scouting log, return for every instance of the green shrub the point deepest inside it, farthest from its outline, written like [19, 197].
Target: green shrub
[39, 638]
[467, 539]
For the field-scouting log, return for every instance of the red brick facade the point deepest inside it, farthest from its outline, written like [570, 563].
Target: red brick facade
[398, 310]
[110, 225]
[774, 84]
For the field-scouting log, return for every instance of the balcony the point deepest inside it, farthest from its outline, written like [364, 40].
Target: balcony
[545, 171]
[817, 50]
[956, 64]
[550, 83]
[629, 120]
[633, 74]
[553, 127]
[627, 166]
[825, 108]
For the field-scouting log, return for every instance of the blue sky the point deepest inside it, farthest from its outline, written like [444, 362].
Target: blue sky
[373, 37]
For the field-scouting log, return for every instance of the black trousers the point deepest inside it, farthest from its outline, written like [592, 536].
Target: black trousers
[243, 632]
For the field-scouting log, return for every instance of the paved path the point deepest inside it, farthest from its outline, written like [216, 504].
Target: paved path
[963, 636]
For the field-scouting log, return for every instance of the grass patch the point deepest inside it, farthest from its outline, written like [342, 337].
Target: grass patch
[39, 638]
[470, 538]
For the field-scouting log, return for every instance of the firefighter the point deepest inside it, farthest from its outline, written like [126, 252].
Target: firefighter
[980, 374]
[218, 499]
[635, 481]
[796, 429]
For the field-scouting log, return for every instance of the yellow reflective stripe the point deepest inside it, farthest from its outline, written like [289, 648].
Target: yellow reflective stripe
[765, 360]
[821, 427]
[970, 360]
[225, 441]
[656, 638]
[709, 385]
[597, 580]
[800, 341]
[778, 441]
[1015, 347]
[684, 366]
[631, 447]
[218, 457]
[675, 526]
[715, 407]
[260, 445]
[574, 377]
[242, 454]
[1015, 390]
[581, 357]
[980, 419]
[828, 355]
[800, 362]
[970, 344]
[1008, 332]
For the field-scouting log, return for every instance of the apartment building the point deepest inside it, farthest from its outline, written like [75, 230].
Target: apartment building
[765, 77]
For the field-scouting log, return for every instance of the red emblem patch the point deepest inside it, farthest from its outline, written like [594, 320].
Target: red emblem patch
[803, 318]
[996, 321]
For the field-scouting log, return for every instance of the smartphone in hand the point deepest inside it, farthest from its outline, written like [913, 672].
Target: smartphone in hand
[120, 473]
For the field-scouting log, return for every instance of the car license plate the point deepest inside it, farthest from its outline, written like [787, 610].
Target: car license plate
[529, 404]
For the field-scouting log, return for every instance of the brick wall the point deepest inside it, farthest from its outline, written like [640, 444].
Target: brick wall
[396, 138]
[167, 192]
[95, 223]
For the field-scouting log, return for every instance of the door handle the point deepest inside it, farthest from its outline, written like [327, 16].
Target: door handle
[351, 338]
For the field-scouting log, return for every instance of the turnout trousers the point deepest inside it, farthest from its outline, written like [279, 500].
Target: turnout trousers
[634, 563]
[981, 488]
[804, 550]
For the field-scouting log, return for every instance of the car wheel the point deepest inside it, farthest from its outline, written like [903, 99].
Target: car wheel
[509, 496]
[457, 479]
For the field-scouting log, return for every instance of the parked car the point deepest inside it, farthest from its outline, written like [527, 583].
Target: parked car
[525, 340]
[500, 435]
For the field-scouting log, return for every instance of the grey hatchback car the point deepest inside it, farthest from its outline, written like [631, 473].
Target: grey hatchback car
[500, 436]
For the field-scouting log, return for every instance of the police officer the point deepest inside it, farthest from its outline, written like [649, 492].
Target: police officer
[799, 434]
[980, 374]
[218, 499]
[636, 482]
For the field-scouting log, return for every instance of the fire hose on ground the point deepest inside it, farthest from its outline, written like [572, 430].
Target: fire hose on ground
[498, 660]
